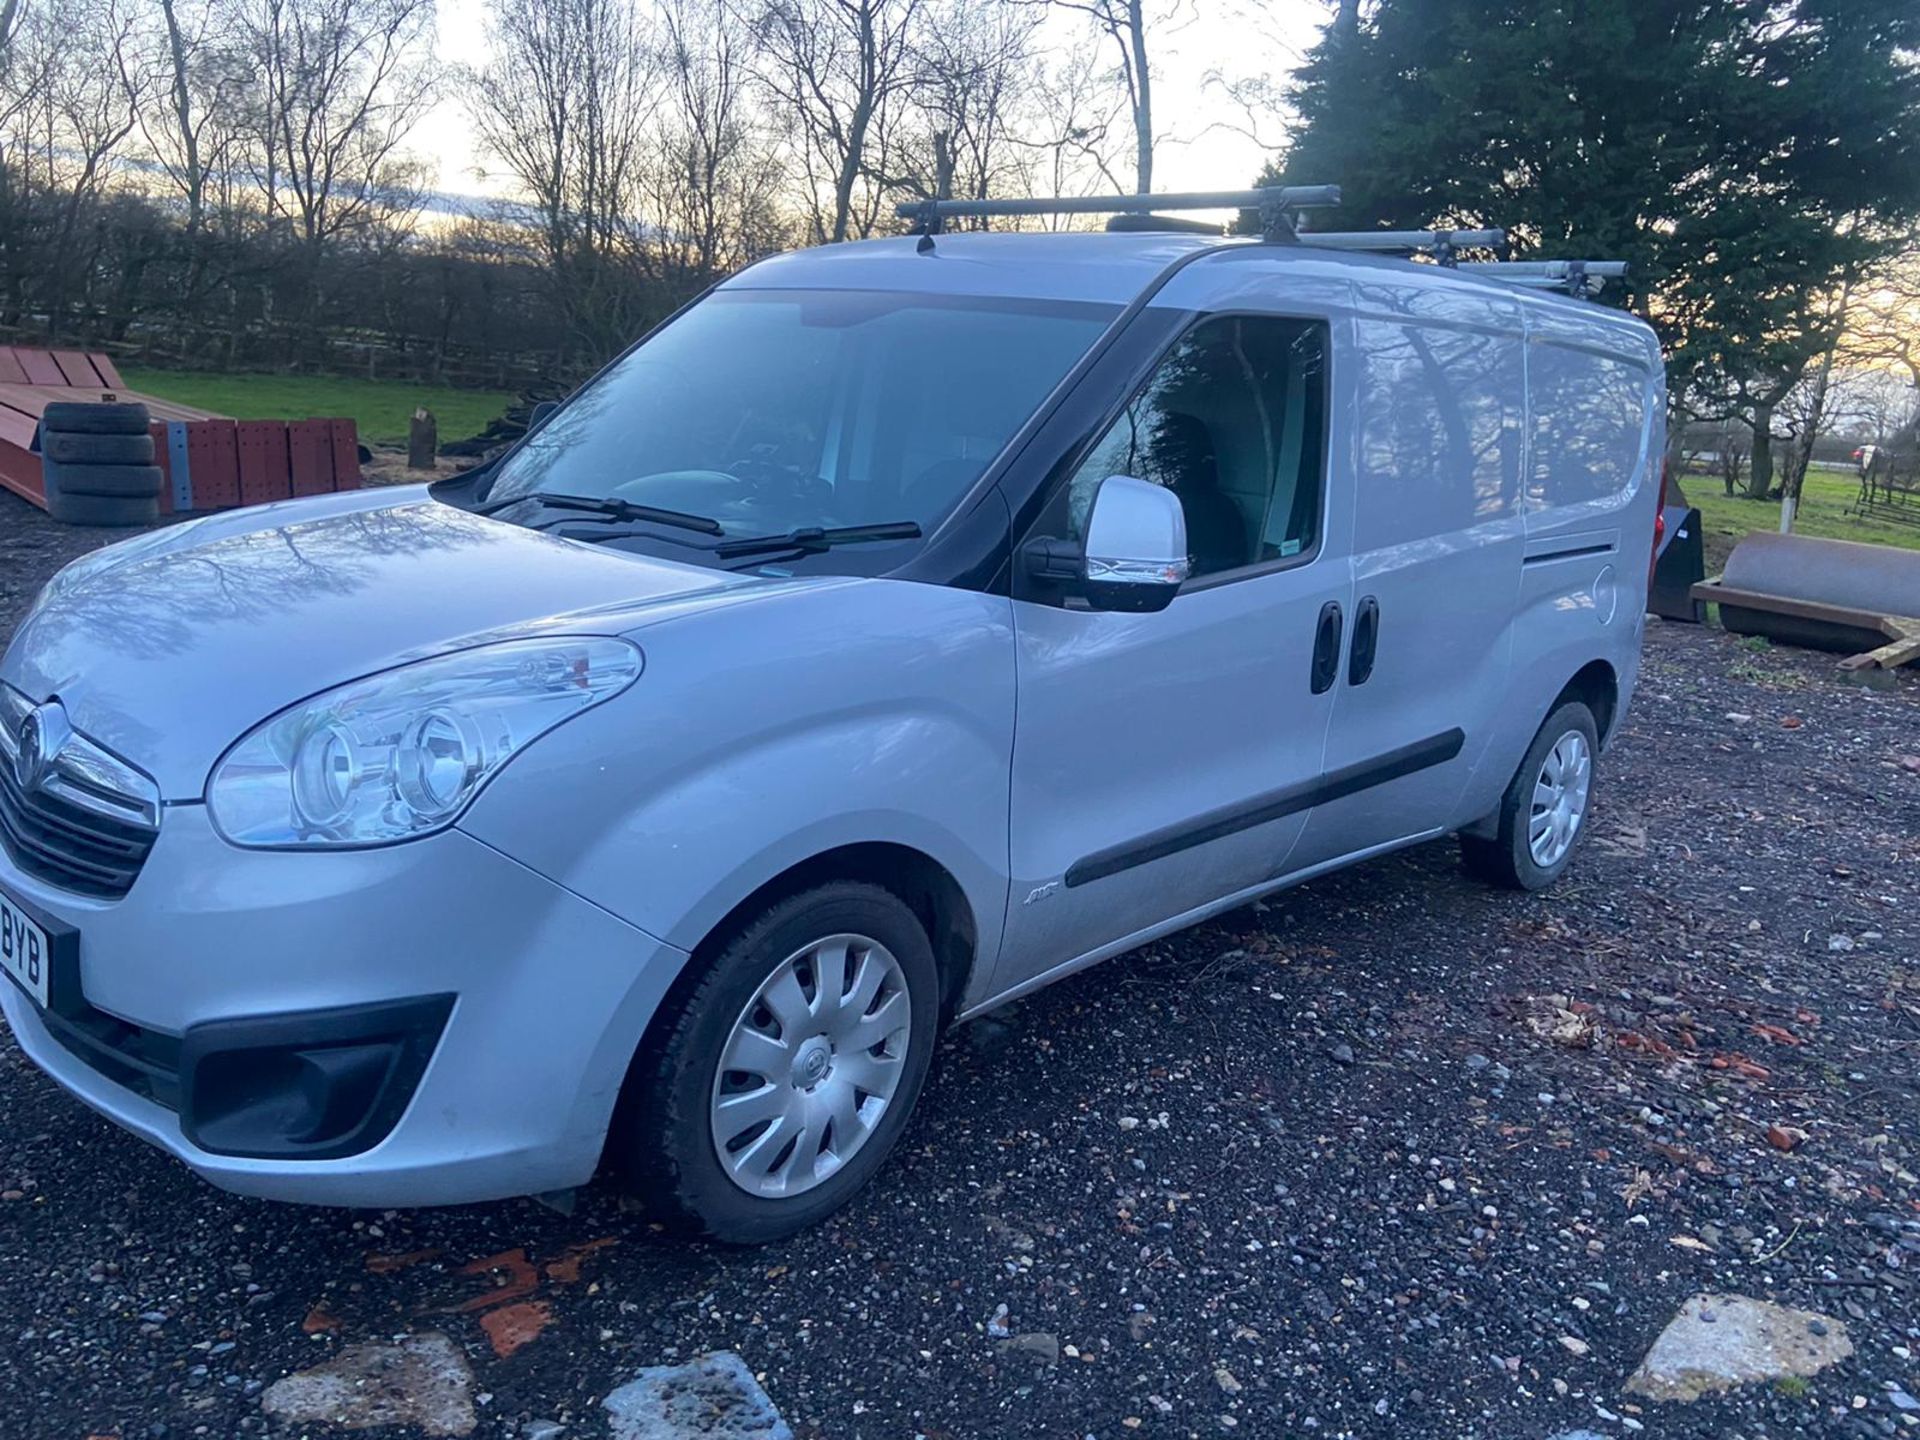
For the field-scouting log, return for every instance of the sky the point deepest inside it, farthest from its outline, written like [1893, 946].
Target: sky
[1201, 143]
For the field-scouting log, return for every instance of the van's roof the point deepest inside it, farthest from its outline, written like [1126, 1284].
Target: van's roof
[1099, 266]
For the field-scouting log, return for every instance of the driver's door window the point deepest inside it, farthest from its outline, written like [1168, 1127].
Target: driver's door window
[1233, 422]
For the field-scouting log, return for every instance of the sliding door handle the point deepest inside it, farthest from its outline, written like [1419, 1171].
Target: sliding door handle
[1366, 640]
[1326, 647]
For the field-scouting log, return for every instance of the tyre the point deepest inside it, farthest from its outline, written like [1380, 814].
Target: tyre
[94, 418]
[118, 482]
[1544, 811]
[102, 510]
[64, 447]
[772, 1088]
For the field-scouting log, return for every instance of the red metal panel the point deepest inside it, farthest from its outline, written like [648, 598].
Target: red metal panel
[17, 426]
[263, 461]
[310, 456]
[214, 456]
[103, 367]
[77, 372]
[41, 367]
[19, 466]
[11, 370]
[346, 455]
[162, 457]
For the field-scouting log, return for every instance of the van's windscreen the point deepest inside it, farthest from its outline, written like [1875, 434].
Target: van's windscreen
[774, 410]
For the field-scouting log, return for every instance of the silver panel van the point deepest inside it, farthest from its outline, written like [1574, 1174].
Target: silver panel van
[896, 629]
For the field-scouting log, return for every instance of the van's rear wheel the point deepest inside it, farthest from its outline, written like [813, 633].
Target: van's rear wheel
[1543, 814]
[777, 1083]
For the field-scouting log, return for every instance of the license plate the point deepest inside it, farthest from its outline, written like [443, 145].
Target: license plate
[26, 950]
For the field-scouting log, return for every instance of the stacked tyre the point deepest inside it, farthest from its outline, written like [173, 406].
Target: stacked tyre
[97, 461]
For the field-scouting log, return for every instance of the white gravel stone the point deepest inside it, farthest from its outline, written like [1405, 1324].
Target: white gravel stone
[424, 1380]
[1717, 1342]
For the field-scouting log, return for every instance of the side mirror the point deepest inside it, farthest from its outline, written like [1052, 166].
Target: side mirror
[538, 415]
[1135, 557]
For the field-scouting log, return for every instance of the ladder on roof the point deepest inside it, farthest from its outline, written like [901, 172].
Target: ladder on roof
[1281, 209]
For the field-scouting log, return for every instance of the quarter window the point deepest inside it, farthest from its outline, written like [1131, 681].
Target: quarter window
[1233, 422]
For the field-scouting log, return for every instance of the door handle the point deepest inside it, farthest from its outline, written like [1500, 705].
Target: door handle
[1326, 647]
[1366, 639]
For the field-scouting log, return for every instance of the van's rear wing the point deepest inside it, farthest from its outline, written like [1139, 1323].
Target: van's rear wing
[1282, 211]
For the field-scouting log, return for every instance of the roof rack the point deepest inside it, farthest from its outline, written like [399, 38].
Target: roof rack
[1278, 206]
[1576, 277]
[1280, 209]
[1443, 245]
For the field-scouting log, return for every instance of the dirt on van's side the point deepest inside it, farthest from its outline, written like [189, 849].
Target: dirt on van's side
[1390, 1155]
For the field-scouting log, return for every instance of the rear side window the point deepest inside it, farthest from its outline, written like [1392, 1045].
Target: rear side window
[1589, 416]
[1440, 430]
[1233, 422]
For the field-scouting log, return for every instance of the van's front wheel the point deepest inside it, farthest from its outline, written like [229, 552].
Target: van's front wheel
[776, 1084]
[1543, 814]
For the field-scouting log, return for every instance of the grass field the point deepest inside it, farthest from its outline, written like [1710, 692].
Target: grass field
[1822, 513]
[380, 409]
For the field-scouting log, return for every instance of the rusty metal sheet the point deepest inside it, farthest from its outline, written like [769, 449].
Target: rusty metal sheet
[310, 456]
[214, 459]
[261, 447]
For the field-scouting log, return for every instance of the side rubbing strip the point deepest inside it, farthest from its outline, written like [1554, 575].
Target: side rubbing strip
[1264, 809]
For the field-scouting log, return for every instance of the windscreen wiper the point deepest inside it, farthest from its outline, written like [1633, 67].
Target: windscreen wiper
[612, 507]
[811, 538]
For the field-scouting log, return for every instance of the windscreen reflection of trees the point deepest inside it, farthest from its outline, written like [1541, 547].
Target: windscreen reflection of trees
[768, 410]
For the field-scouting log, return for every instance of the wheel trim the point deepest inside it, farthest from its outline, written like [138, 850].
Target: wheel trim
[810, 1066]
[1560, 792]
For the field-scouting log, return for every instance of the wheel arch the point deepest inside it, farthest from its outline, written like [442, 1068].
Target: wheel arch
[915, 878]
[1597, 686]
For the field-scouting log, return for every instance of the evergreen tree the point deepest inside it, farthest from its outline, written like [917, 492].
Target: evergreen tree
[1748, 157]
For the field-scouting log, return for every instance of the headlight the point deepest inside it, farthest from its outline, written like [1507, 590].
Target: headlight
[400, 754]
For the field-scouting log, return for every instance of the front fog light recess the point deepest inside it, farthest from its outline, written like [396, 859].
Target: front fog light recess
[400, 754]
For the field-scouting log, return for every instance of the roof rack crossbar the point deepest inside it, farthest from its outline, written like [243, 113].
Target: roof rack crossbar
[1277, 205]
[1576, 277]
[1442, 244]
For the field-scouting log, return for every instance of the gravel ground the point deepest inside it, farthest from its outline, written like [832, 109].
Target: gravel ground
[1389, 1155]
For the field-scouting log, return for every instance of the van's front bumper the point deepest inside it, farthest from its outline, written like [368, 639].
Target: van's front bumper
[509, 1008]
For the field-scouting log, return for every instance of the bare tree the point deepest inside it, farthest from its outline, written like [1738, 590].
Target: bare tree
[74, 89]
[1884, 324]
[713, 184]
[1069, 139]
[839, 70]
[9, 22]
[203, 79]
[564, 106]
[1124, 25]
[978, 64]
[341, 84]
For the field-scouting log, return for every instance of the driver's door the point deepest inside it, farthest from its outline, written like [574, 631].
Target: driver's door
[1165, 761]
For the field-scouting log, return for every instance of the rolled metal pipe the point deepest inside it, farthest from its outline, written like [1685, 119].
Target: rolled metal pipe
[1878, 578]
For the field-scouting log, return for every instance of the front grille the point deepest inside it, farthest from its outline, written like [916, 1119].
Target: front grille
[88, 820]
